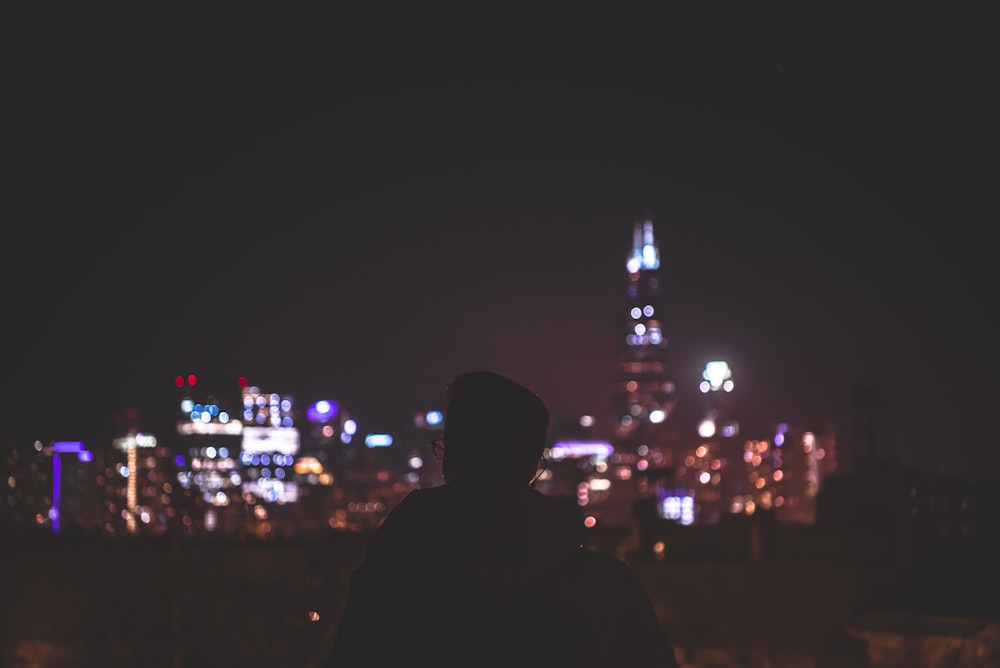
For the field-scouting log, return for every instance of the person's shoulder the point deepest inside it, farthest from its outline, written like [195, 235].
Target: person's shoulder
[417, 502]
[407, 523]
[425, 494]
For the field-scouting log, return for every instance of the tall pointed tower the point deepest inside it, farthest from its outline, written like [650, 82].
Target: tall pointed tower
[643, 392]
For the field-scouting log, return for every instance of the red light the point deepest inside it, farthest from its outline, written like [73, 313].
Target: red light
[243, 381]
[192, 379]
[179, 381]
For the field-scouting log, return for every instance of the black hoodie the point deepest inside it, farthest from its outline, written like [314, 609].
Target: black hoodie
[493, 576]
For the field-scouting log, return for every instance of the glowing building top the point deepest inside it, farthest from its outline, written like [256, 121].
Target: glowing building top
[645, 253]
[644, 392]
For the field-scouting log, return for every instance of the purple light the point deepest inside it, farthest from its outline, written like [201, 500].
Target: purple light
[59, 448]
[67, 446]
[179, 460]
[321, 411]
[56, 489]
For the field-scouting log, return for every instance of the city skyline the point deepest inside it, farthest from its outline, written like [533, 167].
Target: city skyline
[362, 217]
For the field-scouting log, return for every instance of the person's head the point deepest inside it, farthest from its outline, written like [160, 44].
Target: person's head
[495, 429]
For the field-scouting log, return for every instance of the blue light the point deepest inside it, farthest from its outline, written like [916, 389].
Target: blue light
[378, 440]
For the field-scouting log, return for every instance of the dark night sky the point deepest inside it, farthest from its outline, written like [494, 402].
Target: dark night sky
[339, 207]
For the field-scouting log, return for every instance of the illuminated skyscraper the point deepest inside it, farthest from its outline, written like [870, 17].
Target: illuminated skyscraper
[209, 439]
[643, 462]
[713, 469]
[643, 393]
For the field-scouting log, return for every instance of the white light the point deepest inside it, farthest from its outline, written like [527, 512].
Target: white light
[350, 426]
[634, 264]
[704, 477]
[670, 508]
[600, 484]
[706, 429]
[650, 259]
[586, 420]
[187, 406]
[432, 418]
[229, 428]
[716, 372]
[640, 329]
[270, 440]
[728, 386]
[635, 312]
[647, 310]
[416, 462]
[704, 386]
[657, 416]
[687, 510]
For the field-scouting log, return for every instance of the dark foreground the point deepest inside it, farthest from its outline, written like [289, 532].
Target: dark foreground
[97, 604]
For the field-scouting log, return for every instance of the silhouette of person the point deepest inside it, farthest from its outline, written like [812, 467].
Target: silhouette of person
[484, 570]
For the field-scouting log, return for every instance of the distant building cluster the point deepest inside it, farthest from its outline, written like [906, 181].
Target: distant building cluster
[246, 461]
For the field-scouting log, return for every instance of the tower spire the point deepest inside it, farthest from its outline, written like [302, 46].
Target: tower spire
[645, 253]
